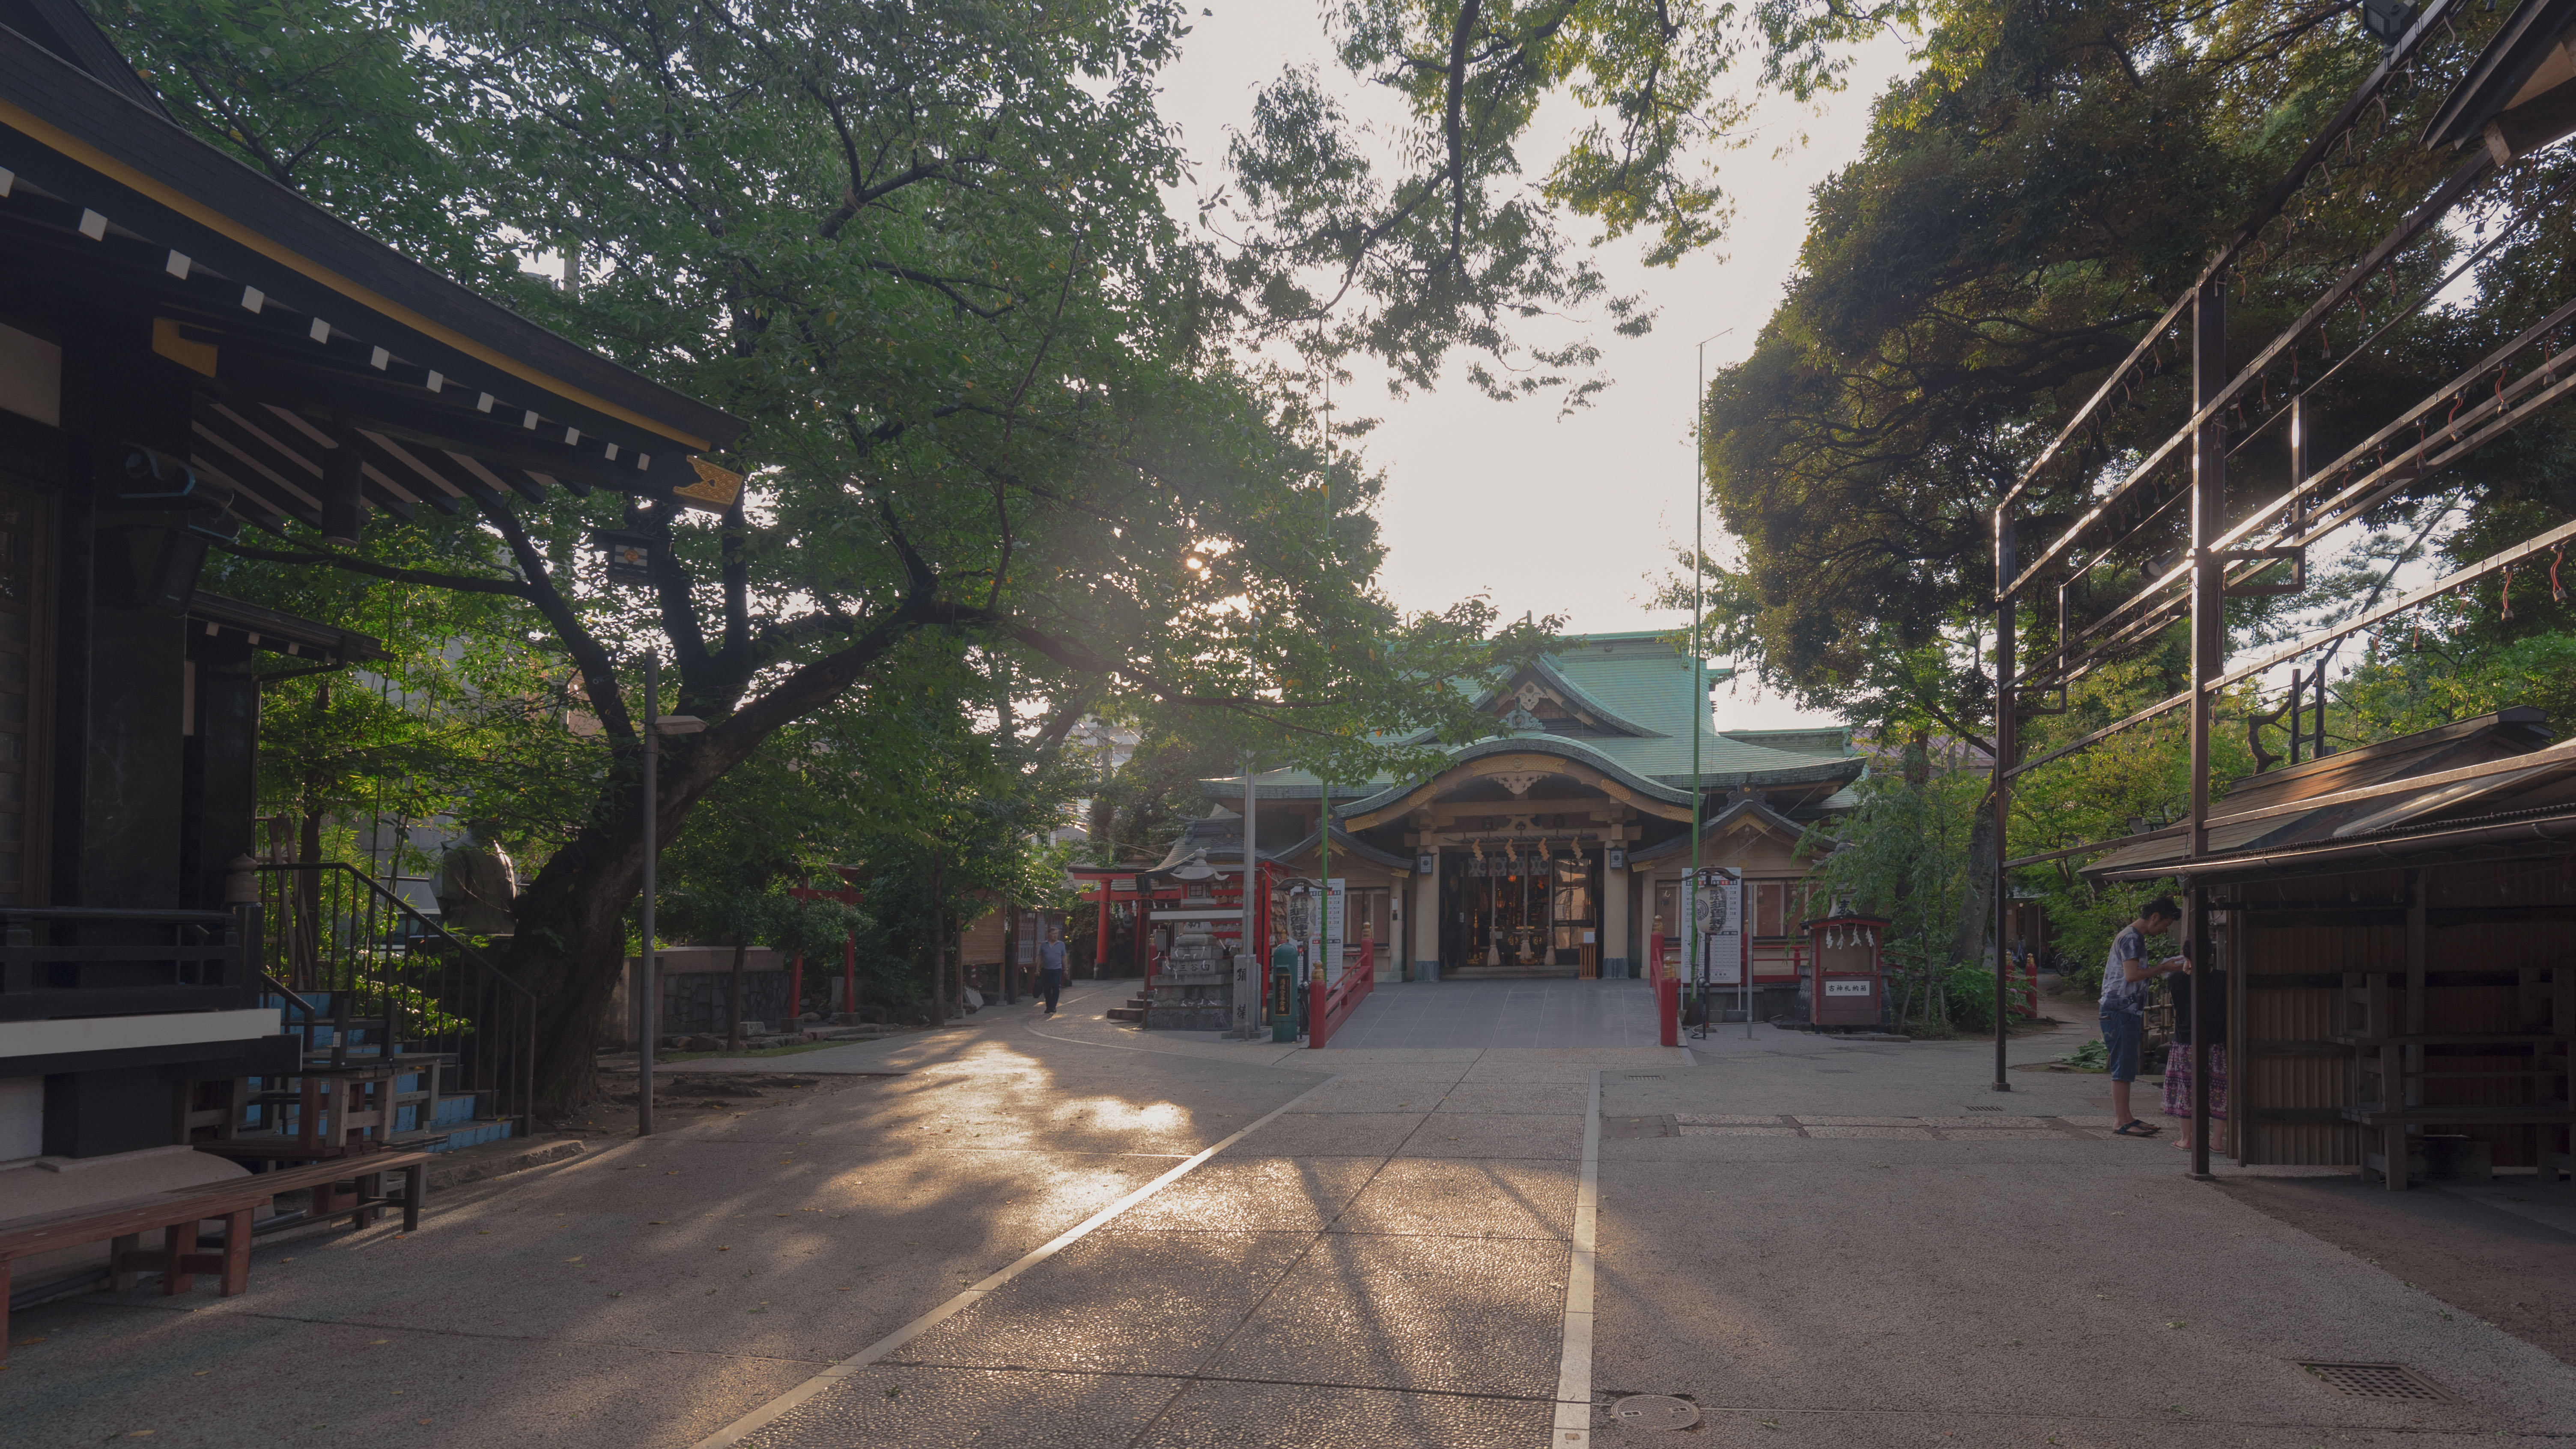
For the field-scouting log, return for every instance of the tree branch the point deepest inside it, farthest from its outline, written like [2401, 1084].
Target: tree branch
[462, 583]
[598, 672]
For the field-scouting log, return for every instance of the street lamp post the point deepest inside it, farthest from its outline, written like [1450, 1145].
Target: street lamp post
[656, 725]
[646, 985]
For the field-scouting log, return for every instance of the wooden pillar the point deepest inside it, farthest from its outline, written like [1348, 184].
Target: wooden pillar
[2416, 941]
[1614, 922]
[1426, 920]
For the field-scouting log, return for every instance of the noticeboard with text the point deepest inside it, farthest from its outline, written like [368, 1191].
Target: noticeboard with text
[1714, 899]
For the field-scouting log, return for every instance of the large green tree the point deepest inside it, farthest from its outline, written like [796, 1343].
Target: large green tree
[997, 394]
[2026, 206]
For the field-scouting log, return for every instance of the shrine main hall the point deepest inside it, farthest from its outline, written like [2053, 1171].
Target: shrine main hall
[1557, 844]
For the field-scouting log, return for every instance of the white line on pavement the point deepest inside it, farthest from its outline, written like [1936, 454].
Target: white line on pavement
[742, 1428]
[1574, 1370]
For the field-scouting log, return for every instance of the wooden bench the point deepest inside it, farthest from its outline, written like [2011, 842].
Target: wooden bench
[177, 1213]
[365, 1174]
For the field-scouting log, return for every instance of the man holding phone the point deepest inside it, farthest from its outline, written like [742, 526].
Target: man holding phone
[2125, 982]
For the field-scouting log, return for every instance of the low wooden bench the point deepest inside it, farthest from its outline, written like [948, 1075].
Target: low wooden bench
[177, 1213]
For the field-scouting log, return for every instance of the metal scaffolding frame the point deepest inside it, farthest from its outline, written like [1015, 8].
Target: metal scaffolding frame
[2227, 558]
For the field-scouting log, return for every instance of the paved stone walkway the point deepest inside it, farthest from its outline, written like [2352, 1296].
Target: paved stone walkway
[1069, 1233]
[1551, 1013]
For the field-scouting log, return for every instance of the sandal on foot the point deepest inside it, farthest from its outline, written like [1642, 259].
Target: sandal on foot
[2135, 1128]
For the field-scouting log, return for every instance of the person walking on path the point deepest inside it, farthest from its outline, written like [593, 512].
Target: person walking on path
[2125, 978]
[1051, 967]
[2178, 1061]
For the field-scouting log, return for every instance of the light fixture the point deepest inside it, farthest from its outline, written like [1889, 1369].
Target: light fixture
[627, 555]
[679, 724]
[2387, 21]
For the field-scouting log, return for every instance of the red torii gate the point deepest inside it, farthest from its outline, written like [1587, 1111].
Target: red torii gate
[848, 895]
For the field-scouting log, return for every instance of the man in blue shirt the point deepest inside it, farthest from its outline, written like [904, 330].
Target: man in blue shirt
[2125, 983]
[1051, 967]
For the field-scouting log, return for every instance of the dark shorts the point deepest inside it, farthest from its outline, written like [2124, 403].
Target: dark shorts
[2121, 1031]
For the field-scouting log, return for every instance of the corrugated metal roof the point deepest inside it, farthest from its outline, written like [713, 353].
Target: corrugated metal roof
[2479, 769]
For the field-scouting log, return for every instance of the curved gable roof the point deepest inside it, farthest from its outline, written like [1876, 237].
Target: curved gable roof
[1579, 751]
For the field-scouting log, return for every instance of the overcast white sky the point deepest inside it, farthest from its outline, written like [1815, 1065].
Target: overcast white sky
[1545, 516]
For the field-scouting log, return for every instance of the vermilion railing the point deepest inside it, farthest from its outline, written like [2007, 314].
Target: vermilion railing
[1332, 1005]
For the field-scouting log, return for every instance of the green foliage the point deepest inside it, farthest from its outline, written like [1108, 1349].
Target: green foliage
[337, 99]
[2024, 206]
[1903, 854]
[471, 717]
[2443, 679]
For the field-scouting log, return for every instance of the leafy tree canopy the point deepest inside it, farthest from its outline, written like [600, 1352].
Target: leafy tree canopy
[2025, 207]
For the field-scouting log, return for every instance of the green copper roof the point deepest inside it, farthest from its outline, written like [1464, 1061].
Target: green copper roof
[1638, 688]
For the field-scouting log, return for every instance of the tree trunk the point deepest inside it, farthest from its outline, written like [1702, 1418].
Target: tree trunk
[1009, 985]
[733, 1010]
[570, 948]
[938, 950]
[1972, 942]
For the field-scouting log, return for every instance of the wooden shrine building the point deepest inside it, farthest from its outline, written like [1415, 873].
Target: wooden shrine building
[188, 350]
[1555, 845]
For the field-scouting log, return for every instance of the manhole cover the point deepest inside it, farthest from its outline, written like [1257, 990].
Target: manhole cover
[2376, 1381]
[1655, 1411]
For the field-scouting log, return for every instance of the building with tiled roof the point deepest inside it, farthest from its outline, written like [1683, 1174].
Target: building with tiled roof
[1556, 844]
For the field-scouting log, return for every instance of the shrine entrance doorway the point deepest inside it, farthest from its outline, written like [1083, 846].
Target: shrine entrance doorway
[1520, 908]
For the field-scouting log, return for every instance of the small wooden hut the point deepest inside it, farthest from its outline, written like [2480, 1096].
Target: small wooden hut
[2398, 925]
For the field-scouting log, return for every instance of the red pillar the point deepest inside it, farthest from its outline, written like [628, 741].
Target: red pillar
[1100, 942]
[1668, 1009]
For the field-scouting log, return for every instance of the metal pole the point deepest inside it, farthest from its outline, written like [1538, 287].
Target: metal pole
[1698, 692]
[1324, 906]
[2007, 745]
[2208, 640]
[1324, 781]
[1247, 1019]
[651, 985]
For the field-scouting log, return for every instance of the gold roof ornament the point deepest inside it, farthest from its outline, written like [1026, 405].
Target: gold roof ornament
[715, 490]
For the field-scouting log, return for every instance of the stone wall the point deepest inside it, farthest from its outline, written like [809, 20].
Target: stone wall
[699, 1001]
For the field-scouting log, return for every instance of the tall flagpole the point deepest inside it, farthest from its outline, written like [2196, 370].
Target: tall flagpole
[1699, 691]
[1324, 777]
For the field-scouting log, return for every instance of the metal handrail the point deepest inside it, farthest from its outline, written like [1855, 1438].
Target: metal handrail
[487, 1017]
[108, 914]
[398, 903]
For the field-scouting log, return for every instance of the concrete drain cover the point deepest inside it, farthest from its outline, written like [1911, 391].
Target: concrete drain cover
[1655, 1411]
[2376, 1381]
